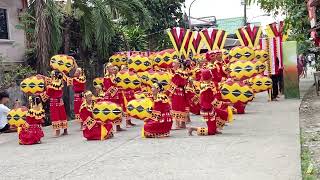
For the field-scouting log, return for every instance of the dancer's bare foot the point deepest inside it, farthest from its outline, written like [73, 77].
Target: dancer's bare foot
[118, 128]
[183, 125]
[57, 134]
[129, 123]
[190, 130]
[65, 132]
[218, 132]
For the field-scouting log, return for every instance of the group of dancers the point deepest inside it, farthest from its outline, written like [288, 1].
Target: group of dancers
[194, 88]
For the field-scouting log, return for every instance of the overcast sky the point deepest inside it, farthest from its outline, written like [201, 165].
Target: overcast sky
[228, 9]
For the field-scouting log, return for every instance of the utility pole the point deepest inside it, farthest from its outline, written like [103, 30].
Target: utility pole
[244, 3]
[190, 25]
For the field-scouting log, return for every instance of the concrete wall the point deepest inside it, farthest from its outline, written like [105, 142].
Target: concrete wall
[13, 49]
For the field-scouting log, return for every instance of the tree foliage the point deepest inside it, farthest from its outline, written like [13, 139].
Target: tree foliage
[296, 18]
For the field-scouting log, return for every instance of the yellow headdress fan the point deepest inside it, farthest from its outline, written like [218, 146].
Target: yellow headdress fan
[32, 85]
[140, 108]
[236, 91]
[146, 77]
[164, 59]
[163, 78]
[241, 53]
[241, 70]
[62, 63]
[16, 117]
[260, 67]
[106, 111]
[127, 80]
[262, 55]
[118, 59]
[98, 81]
[139, 63]
[260, 83]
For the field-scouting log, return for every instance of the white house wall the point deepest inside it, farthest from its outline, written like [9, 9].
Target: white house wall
[12, 50]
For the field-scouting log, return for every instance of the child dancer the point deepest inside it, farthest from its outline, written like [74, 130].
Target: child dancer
[79, 86]
[178, 95]
[31, 132]
[161, 122]
[112, 92]
[211, 108]
[54, 92]
[93, 129]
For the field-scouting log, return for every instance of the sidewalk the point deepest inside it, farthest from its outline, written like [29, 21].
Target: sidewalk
[263, 144]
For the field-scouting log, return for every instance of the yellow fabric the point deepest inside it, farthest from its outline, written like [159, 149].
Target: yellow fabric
[173, 42]
[240, 38]
[104, 133]
[142, 133]
[230, 114]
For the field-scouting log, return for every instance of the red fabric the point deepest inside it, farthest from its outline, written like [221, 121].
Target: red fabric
[217, 75]
[54, 93]
[193, 106]
[206, 99]
[178, 98]
[77, 103]
[240, 107]
[212, 127]
[57, 110]
[32, 134]
[162, 126]
[95, 132]
[78, 87]
[107, 85]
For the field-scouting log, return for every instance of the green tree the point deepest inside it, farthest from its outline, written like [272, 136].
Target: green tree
[165, 14]
[296, 18]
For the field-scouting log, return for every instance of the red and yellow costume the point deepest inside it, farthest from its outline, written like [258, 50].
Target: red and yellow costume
[193, 99]
[54, 92]
[159, 125]
[178, 96]
[213, 111]
[94, 129]
[113, 93]
[31, 132]
[79, 86]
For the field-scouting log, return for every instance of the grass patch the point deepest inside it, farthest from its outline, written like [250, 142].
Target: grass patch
[309, 171]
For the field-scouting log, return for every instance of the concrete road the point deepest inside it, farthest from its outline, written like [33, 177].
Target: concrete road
[262, 144]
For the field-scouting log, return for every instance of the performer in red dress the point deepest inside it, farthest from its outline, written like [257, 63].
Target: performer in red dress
[112, 93]
[93, 129]
[31, 132]
[54, 92]
[159, 125]
[178, 95]
[79, 86]
[211, 108]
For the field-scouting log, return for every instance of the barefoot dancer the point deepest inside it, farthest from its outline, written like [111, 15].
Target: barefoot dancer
[178, 95]
[31, 132]
[54, 93]
[79, 86]
[112, 92]
[161, 122]
[211, 108]
[93, 129]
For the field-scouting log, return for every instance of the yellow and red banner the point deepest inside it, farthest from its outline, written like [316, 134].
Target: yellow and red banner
[249, 35]
[180, 38]
[195, 43]
[213, 38]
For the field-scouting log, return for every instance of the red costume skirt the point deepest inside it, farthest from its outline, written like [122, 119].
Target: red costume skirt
[179, 105]
[30, 135]
[77, 104]
[157, 129]
[100, 131]
[193, 102]
[58, 114]
[240, 107]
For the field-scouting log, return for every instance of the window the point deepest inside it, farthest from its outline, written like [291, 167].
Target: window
[3, 24]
